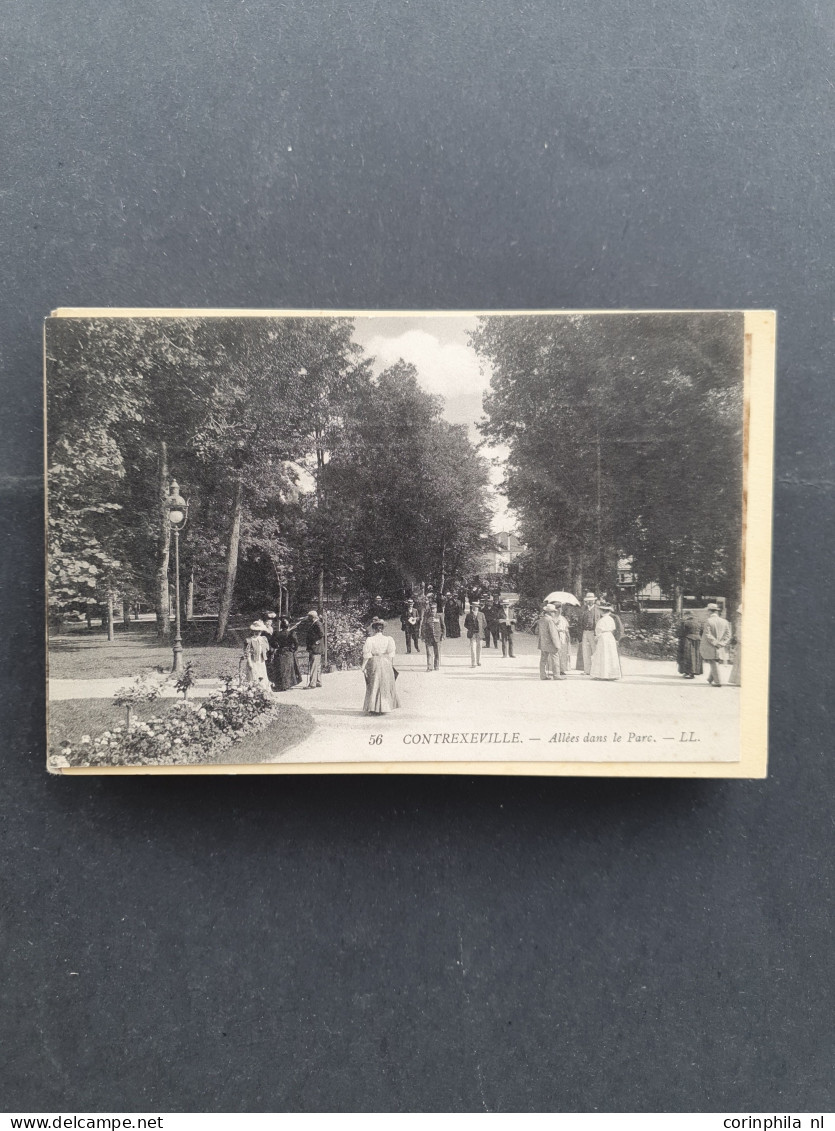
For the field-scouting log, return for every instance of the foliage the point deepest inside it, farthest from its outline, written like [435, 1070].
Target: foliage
[346, 637]
[527, 615]
[404, 490]
[80, 541]
[186, 680]
[653, 643]
[290, 453]
[625, 440]
[190, 733]
[651, 635]
[143, 689]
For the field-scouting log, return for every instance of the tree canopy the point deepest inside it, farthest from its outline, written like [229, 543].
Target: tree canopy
[625, 440]
[300, 465]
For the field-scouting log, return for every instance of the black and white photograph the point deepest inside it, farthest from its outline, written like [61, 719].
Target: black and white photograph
[301, 541]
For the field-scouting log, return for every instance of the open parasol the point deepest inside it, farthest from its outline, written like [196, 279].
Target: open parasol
[558, 597]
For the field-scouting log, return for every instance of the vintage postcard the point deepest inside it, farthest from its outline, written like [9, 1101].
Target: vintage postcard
[362, 542]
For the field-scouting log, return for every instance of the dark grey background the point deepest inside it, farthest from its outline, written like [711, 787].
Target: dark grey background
[422, 944]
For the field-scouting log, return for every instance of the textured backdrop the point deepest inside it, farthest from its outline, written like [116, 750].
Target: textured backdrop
[434, 944]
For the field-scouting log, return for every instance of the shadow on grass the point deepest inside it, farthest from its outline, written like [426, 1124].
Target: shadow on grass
[143, 634]
[78, 653]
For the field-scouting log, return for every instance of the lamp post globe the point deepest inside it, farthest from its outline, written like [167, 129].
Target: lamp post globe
[177, 516]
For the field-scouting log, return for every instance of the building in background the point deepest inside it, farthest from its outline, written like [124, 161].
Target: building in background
[506, 549]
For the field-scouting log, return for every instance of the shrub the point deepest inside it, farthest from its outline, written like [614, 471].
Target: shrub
[185, 736]
[652, 637]
[187, 680]
[527, 615]
[346, 637]
[143, 689]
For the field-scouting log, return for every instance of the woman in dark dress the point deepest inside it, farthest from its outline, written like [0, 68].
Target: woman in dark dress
[689, 646]
[452, 617]
[284, 670]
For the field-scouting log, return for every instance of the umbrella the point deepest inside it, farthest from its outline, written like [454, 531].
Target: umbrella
[560, 598]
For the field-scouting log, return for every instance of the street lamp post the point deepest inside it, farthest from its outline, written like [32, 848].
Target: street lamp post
[177, 518]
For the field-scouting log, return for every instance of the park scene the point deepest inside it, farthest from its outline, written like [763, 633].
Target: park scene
[378, 537]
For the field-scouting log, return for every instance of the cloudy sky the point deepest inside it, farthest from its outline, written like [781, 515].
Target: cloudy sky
[438, 348]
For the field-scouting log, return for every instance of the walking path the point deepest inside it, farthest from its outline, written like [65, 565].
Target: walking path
[505, 697]
[107, 688]
[501, 711]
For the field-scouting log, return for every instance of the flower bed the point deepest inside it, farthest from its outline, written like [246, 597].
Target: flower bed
[189, 734]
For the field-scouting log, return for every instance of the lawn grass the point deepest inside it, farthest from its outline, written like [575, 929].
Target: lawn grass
[76, 652]
[291, 726]
[71, 718]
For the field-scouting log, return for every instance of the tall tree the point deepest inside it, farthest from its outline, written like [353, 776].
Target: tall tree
[625, 439]
[406, 489]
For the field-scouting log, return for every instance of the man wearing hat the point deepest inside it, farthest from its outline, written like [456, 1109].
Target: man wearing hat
[491, 619]
[586, 639]
[563, 656]
[315, 636]
[716, 636]
[474, 626]
[507, 623]
[548, 642]
[409, 619]
[432, 631]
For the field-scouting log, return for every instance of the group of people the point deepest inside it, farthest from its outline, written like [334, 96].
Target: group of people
[708, 642]
[430, 623]
[599, 629]
[493, 622]
[269, 656]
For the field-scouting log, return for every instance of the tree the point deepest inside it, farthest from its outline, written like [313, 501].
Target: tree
[142, 388]
[405, 490]
[625, 439]
[81, 538]
[241, 410]
[223, 403]
[279, 401]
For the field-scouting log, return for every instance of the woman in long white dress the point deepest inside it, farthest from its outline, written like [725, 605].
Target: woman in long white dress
[255, 656]
[378, 669]
[605, 661]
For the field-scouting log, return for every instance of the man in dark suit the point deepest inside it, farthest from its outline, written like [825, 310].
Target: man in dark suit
[507, 623]
[432, 630]
[586, 623]
[409, 622]
[315, 636]
[492, 614]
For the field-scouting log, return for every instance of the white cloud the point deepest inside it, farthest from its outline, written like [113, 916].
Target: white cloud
[448, 368]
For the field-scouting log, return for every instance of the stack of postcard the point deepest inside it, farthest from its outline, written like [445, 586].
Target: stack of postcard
[360, 542]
